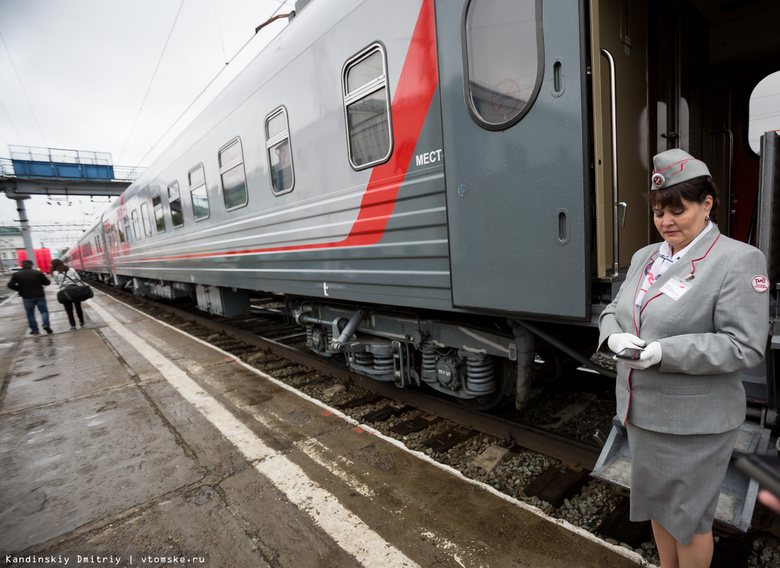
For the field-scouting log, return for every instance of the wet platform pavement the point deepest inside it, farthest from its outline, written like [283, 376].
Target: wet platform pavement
[129, 443]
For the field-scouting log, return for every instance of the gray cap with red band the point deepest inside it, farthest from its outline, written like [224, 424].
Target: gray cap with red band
[675, 166]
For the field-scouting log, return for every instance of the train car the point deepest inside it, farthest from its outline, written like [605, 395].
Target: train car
[90, 257]
[448, 192]
[72, 257]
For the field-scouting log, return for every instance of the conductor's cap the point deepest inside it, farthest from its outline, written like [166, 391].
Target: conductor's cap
[675, 166]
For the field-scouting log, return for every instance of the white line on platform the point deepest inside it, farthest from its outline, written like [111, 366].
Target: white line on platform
[343, 526]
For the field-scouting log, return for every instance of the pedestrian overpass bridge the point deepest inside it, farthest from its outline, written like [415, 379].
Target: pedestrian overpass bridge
[59, 172]
[55, 172]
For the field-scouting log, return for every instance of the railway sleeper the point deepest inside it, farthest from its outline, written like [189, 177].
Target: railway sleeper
[387, 412]
[555, 486]
[450, 438]
[416, 424]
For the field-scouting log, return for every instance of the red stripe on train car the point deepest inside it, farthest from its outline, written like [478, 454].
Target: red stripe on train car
[411, 102]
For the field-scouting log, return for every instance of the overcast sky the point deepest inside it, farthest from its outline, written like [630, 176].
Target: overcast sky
[114, 76]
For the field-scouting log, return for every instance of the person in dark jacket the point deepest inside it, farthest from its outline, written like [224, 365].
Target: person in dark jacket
[29, 283]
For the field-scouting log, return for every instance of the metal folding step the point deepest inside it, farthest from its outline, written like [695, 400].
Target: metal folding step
[737, 494]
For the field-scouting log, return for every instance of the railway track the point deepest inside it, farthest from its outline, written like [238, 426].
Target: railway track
[534, 464]
[266, 330]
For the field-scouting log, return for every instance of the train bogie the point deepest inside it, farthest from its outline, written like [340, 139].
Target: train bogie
[409, 349]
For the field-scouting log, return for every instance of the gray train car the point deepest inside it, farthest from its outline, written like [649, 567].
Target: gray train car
[448, 192]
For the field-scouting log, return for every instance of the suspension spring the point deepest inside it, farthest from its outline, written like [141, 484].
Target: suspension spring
[363, 359]
[429, 359]
[480, 374]
[384, 363]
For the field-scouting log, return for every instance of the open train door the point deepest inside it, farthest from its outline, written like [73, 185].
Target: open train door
[769, 242]
[512, 83]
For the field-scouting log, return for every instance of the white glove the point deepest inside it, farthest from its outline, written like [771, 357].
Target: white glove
[650, 356]
[619, 341]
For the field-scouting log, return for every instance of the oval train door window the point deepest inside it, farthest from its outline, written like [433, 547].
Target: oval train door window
[503, 60]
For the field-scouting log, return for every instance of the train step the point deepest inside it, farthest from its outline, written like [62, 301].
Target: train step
[737, 494]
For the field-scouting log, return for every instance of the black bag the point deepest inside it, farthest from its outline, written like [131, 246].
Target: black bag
[74, 292]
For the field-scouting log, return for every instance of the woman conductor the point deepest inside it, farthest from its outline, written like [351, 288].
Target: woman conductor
[697, 307]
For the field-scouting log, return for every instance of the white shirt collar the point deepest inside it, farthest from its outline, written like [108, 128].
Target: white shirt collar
[666, 250]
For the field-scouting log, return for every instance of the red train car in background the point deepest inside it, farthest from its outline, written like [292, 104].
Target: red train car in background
[42, 258]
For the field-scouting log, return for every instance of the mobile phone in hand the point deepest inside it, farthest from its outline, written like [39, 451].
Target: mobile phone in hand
[630, 353]
[764, 469]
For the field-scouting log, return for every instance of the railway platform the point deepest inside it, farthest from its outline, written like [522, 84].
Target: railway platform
[129, 443]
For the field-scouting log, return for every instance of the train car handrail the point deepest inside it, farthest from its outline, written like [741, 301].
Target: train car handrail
[616, 204]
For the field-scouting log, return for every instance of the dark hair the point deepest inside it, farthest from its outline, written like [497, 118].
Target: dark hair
[56, 264]
[27, 262]
[695, 190]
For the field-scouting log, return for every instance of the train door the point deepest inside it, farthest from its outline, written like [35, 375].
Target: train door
[512, 83]
[769, 242]
[620, 132]
[687, 108]
[104, 235]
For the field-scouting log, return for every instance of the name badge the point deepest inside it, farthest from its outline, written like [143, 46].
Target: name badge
[675, 288]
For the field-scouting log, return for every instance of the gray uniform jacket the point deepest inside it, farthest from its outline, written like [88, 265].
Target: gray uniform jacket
[715, 330]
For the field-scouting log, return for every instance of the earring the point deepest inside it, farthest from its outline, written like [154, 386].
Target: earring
[707, 216]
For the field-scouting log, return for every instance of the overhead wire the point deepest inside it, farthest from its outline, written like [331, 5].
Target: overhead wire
[282, 3]
[219, 30]
[151, 81]
[24, 91]
[11, 121]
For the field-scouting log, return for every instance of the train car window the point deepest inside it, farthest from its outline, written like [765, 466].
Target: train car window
[126, 236]
[174, 201]
[367, 108]
[764, 105]
[136, 230]
[231, 172]
[145, 219]
[503, 60]
[277, 142]
[200, 198]
[159, 216]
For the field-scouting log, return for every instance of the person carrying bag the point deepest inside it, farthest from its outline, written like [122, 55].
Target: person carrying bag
[77, 291]
[72, 291]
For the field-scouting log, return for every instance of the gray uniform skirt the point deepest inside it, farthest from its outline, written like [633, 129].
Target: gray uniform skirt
[676, 479]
